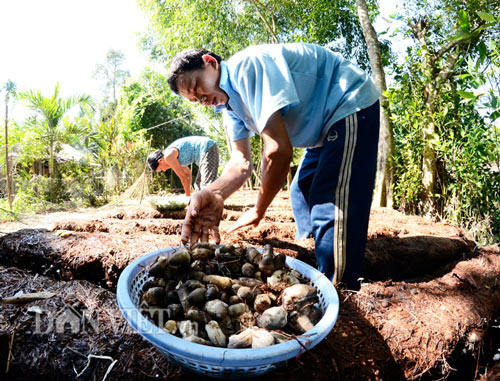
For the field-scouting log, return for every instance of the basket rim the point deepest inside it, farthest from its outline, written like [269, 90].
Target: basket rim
[225, 356]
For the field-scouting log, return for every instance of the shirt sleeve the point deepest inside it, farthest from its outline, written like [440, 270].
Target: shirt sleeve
[235, 126]
[265, 85]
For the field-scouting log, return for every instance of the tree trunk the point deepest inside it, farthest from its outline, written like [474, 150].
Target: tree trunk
[429, 128]
[7, 169]
[383, 185]
[51, 168]
[429, 154]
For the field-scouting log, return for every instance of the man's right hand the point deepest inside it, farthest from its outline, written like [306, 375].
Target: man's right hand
[203, 217]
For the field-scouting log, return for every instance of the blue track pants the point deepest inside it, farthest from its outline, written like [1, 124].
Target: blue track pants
[331, 194]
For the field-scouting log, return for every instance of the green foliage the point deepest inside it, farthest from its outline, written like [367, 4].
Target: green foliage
[28, 142]
[471, 195]
[466, 143]
[226, 27]
[52, 110]
[5, 213]
[111, 74]
[25, 142]
[148, 104]
[482, 77]
[469, 189]
[23, 204]
[106, 143]
[10, 90]
[82, 185]
[406, 107]
[32, 195]
[115, 150]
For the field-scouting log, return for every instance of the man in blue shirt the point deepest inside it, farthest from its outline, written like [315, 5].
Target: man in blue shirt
[199, 150]
[293, 95]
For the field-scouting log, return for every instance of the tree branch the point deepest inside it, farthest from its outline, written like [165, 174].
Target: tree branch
[449, 46]
[269, 28]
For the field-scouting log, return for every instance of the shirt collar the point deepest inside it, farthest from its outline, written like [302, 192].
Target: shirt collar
[224, 85]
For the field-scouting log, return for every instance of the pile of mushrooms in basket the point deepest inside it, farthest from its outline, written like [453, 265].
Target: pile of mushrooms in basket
[229, 296]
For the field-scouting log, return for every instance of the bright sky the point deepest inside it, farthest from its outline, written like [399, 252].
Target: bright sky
[46, 41]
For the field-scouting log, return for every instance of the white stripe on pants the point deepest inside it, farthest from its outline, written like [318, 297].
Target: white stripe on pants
[342, 197]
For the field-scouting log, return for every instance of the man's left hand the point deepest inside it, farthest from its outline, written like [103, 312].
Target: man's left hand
[250, 217]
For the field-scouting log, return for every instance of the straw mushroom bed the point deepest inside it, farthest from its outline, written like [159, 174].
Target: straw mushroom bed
[378, 335]
[429, 306]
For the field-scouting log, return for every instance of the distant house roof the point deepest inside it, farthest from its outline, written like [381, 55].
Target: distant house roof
[66, 153]
[69, 153]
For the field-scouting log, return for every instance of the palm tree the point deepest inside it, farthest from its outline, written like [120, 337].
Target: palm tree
[10, 91]
[52, 110]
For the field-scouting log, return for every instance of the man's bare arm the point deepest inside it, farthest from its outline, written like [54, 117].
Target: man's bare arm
[276, 158]
[180, 171]
[275, 165]
[236, 171]
[205, 209]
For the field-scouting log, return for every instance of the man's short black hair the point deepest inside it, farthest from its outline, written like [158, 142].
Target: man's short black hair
[153, 159]
[187, 60]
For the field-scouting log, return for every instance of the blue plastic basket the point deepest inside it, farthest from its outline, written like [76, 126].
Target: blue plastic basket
[223, 362]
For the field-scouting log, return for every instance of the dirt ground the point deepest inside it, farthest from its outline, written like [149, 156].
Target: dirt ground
[427, 308]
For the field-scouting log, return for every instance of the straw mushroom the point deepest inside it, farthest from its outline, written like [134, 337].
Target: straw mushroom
[217, 309]
[215, 334]
[273, 318]
[158, 268]
[304, 320]
[242, 340]
[197, 296]
[171, 327]
[253, 256]
[223, 282]
[245, 294]
[197, 340]
[155, 296]
[262, 338]
[188, 328]
[228, 296]
[266, 264]
[262, 302]
[295, 296]
[180, 257]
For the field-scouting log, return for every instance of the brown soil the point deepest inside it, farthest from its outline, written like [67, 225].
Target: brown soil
[425, 311]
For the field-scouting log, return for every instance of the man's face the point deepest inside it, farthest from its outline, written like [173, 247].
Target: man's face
[162, 165]
[202, 85]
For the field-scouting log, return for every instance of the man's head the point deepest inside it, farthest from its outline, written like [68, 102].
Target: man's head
[195, 75]
[154, 158]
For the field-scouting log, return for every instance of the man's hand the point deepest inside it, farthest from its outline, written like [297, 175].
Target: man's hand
[203, 217]
[250, 217]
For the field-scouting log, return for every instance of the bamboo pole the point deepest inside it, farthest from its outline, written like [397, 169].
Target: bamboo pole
[7, 169]
[144, 173]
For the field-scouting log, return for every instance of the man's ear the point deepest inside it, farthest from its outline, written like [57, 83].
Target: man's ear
[209, 60]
